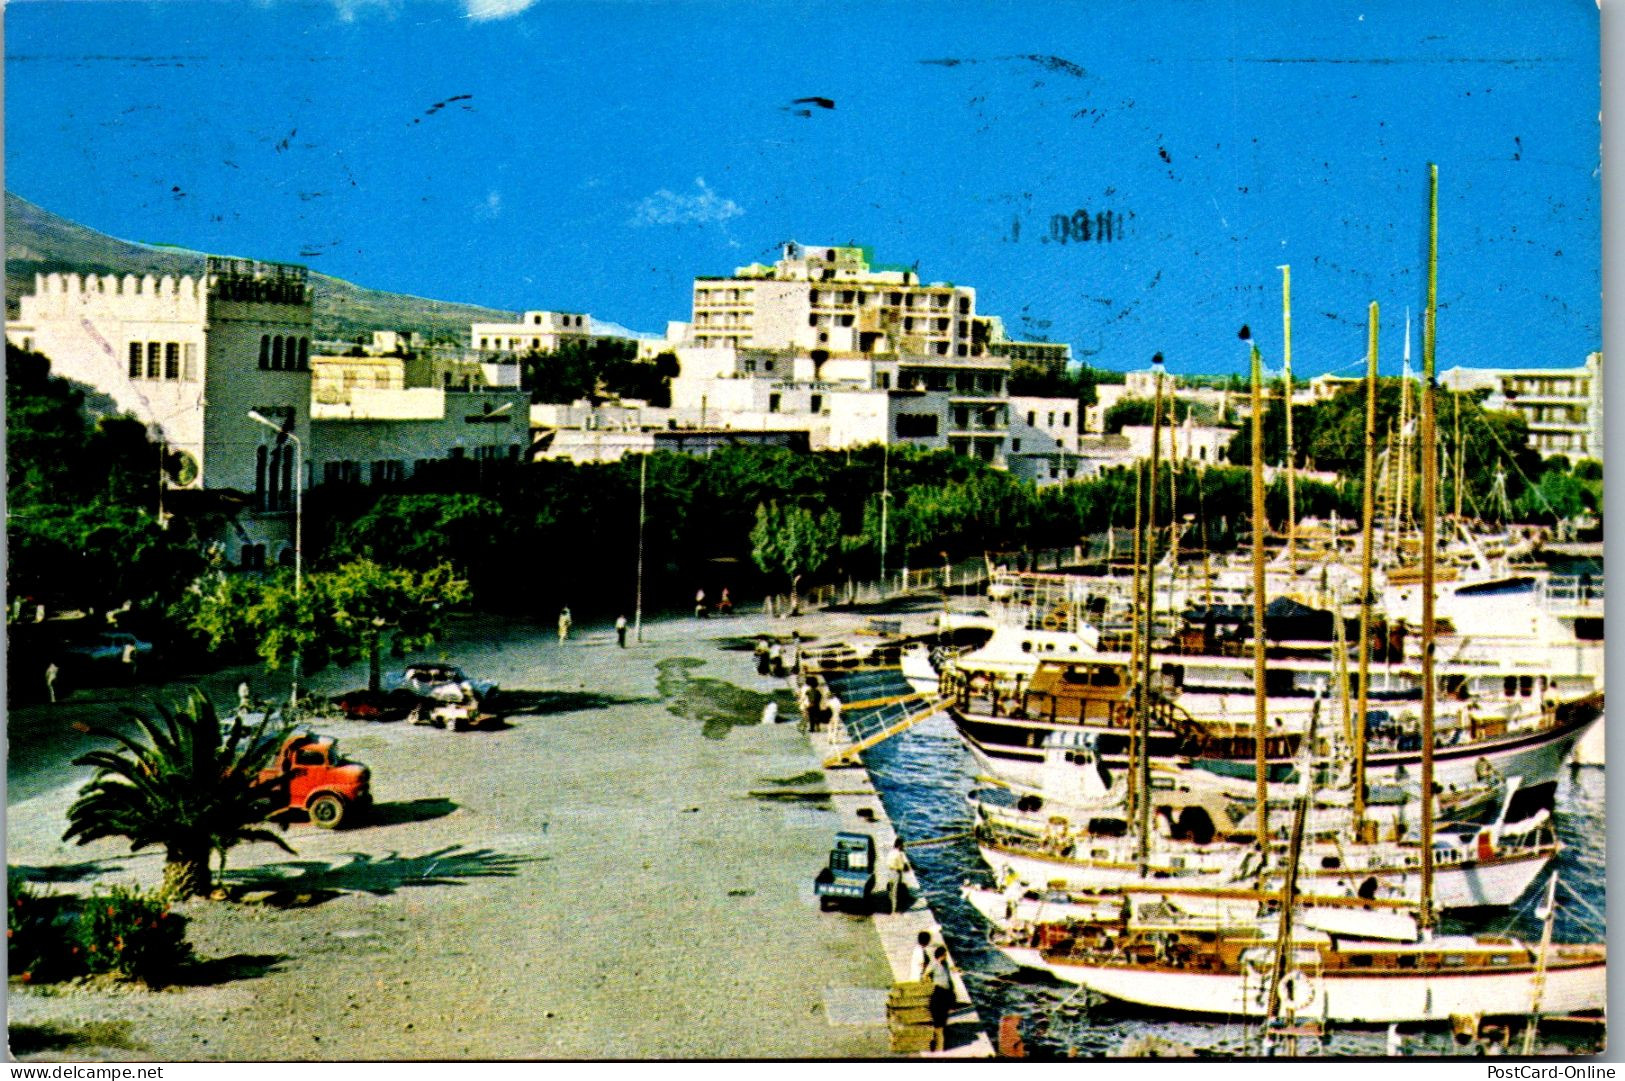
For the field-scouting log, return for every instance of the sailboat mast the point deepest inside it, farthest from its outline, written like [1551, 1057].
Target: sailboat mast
[1143, 721]
[1367, 514]
[1260, 705]
[1134, 749]
[1286, 390]
[1289, 880]
[1430, 482]
[1455, 397]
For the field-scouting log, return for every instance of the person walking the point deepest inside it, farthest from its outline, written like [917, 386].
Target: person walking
[245, 698]
[897, 864]
[919, 959]
[699, 604]
[942, 998]
[51, 671]
[620, 630]
[564, 625]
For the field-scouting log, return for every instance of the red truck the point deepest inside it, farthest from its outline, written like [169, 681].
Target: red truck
[320, 782]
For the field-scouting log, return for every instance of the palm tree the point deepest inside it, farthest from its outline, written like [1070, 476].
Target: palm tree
[195, 786]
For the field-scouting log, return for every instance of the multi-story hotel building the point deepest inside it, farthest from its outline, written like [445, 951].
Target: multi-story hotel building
[1562, 406]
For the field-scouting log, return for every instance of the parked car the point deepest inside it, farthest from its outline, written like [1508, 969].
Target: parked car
[365, 705]
[441, 682]
[109, 646]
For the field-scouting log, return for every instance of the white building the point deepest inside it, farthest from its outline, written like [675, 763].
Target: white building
[384, 436]
[1562, 406]
[191, 357]
[536, 331]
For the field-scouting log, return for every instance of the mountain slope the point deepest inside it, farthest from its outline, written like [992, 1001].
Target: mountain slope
[40, 242]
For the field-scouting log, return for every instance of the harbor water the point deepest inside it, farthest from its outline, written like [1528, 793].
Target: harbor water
[924, 775]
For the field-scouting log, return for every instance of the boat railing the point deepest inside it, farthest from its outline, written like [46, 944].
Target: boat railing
[1580, 595]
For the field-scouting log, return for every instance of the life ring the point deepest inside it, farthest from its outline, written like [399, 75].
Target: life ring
[1297, 990]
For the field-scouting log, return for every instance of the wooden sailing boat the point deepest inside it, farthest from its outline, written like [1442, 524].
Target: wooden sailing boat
[1246, 973]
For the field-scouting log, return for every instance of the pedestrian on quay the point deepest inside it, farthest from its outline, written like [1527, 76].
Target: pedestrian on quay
[897, 864]
[245, 697]
[620, 630]
[775, 660]
[762, 654]
[725, 604]
[942, 998]
[919, 960]
[564, 625]
[699, 604]
[51, 671]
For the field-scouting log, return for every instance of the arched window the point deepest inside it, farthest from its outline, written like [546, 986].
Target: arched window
[265, 351]
[273, 479]
[259, 475]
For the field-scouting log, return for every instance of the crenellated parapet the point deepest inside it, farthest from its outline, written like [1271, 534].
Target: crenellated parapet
[67, 295]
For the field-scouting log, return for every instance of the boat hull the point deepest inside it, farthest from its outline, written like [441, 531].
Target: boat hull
[1350, 999]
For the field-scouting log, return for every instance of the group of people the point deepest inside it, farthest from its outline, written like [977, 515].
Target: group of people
[725, 604]
[566, 622]
[930, 963]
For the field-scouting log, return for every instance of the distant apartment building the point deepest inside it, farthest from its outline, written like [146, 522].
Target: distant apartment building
[1562, 406]
[191, 357]
[537, 331]
[850, 353]
[1044, 439]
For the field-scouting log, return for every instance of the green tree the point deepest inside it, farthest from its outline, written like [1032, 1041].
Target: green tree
[334, 617]
[793, 541]
[185, 782]
[82, 521]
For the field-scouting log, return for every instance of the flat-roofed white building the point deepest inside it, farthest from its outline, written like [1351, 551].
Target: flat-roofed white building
[1562, 406]
[384, 436]
[536, 331]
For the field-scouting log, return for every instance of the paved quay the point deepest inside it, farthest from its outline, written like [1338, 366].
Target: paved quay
[596, 880]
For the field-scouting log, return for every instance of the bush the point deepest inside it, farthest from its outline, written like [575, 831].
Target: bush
[131, 934]
[38, 927]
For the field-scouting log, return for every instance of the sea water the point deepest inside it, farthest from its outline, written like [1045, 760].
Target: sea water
[923, 777]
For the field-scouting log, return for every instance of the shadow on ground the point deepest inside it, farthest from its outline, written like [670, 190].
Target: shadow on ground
[62, 872]
[718, 705]
[301, 883]
[540, 703]
[400, 812]
[218, 970]
[36, 1039]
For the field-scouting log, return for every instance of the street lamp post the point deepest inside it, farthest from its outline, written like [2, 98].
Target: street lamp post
[298, 516]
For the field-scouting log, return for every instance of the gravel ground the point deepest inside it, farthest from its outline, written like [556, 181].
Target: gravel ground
[593, 881]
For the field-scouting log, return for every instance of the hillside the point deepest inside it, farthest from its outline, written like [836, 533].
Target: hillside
[40, 242]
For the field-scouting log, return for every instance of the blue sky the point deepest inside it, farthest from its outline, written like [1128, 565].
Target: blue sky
[598, 156]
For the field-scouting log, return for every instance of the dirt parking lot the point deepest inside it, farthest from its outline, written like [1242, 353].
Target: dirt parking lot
[592, 881]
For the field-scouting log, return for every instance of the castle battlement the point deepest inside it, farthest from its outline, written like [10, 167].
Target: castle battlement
[71, 295]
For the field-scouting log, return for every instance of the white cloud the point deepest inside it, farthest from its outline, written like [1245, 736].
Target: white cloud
[350, 10]
[485, 10]
[668, 208]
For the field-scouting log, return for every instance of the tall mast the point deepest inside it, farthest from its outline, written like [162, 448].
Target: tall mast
[1430, 482]
[1143, 721]
[1260, 705]
[1367, 514]
[1455, 398]
[1286, 389]
[1134, 749]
